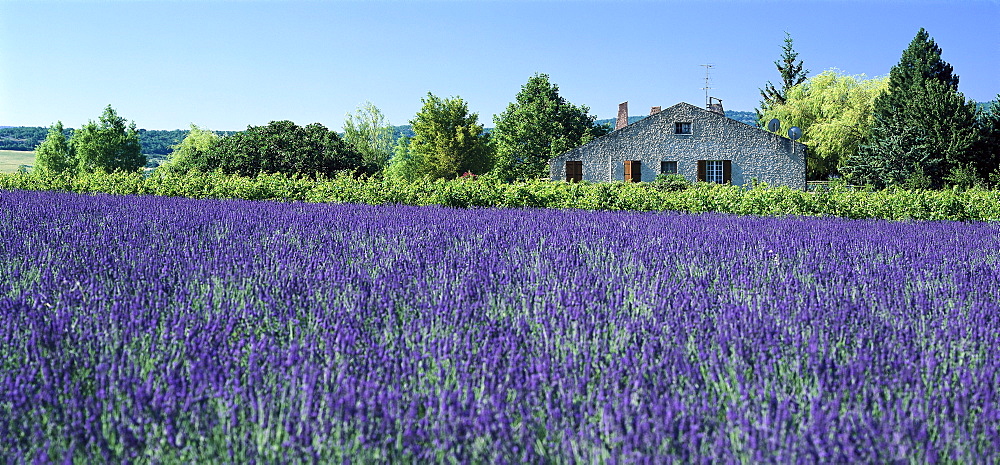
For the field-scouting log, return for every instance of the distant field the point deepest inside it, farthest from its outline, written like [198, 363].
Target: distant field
[10, 160]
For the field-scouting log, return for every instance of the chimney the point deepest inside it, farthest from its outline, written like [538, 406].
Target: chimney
[715, 106]
[622, 116]
[654, 110]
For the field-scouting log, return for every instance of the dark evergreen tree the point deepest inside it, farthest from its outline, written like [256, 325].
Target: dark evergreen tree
[987, 148]
[923, 127]
[792, 74]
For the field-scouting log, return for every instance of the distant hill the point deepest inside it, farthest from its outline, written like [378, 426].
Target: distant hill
[154, 141]
[747, 117]
[402, 131]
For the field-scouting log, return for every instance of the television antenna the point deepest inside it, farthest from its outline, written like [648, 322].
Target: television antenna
[708, 69]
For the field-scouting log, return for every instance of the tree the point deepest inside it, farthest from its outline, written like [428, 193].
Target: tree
[792, 74]
[834, 111]
[449, 141]
[284, 147]
[539, 125]
[370, 134]
[987, 148]
[192, 152]
[109, 144]
[404, 164]
[54, 154]
[923, 127]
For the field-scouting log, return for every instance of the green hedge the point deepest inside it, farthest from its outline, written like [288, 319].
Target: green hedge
[893, 204]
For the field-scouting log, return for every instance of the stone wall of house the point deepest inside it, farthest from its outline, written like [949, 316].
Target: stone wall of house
[755, 154]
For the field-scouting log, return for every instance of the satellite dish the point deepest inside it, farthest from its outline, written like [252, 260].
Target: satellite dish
[774, 125]
[794, 133]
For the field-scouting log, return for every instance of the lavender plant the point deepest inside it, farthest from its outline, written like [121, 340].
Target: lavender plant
[151, 329]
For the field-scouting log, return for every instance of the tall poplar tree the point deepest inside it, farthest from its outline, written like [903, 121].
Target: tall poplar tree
[923, 128]
[370, 134]
[792, 74]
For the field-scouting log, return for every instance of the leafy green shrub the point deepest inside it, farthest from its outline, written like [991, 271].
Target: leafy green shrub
[283, 147]
[670, 182]
[973, 204]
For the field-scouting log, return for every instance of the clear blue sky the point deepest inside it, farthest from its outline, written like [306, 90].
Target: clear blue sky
[229, 64]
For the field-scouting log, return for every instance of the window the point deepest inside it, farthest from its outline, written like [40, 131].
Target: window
[713, 171]
[574, 171]
[682, 128]
[633, 170]
[718, 171]
[668, 167]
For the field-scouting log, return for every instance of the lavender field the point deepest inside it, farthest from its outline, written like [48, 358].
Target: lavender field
[150, 329]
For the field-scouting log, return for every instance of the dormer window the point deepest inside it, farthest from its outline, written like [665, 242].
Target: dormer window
[682, 128]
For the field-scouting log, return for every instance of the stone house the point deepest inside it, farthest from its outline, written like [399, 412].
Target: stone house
[699, 144]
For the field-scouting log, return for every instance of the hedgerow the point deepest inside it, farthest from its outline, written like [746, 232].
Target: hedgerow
[892, 204]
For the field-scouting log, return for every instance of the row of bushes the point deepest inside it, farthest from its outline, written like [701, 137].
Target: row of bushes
[893, 204]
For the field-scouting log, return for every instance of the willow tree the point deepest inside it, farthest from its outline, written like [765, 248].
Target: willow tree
[834, 111]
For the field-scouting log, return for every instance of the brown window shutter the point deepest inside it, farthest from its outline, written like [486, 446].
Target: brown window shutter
[633, 170]
[574, 171]
[701, 170]
[727, 171]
